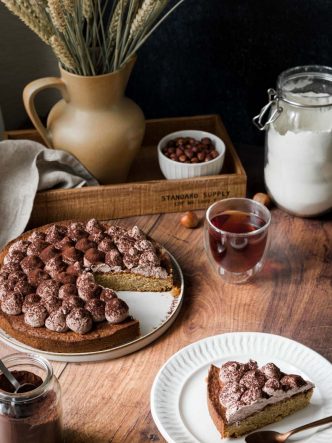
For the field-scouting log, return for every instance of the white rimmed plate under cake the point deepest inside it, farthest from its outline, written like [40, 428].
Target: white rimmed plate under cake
[58, 284]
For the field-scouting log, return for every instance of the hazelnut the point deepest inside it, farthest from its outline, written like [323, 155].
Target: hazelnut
[262, 198]
[189, 220]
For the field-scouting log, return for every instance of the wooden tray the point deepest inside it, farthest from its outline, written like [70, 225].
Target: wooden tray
[147, 191]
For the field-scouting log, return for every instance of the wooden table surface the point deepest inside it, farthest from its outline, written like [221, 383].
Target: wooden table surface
[109, 401]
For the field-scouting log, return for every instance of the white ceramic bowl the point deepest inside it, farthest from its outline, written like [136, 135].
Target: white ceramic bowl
[177, 170]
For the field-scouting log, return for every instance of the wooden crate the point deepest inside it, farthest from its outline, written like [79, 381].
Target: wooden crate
[146, 191]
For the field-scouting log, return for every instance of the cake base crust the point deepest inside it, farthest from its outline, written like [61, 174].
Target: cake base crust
[103, 336]
[270, 414]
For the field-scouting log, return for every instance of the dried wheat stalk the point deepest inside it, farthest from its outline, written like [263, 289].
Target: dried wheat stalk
[29, 17]
[62, 52]
[87, 8]
[142, 16]
[69, 6]
[57, 15]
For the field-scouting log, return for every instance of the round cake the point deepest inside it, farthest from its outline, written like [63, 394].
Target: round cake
[58, 284]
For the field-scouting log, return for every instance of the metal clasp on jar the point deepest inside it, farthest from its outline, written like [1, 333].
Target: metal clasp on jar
[274, 99]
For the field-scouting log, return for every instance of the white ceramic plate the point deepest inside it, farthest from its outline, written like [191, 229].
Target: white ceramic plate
[156, 312]
[179, 399]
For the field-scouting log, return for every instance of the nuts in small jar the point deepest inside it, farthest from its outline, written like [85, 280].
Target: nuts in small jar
[262, 198]
[189, 150]
[189, 220]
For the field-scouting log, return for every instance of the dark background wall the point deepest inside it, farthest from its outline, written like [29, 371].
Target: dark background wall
[211, 56]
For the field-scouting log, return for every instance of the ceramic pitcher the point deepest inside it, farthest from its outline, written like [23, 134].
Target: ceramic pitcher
[94, 121]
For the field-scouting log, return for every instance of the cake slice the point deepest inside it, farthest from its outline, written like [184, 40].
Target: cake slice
[243, 397]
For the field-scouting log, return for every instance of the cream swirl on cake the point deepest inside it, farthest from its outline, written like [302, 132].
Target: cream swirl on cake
[248, 389]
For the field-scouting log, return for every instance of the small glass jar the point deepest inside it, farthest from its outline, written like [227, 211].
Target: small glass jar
[34, 416]
[298, 147]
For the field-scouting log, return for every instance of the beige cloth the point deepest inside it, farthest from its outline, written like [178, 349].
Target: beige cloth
[25, 168]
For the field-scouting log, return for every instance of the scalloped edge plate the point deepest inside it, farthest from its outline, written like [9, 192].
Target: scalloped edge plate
[156, 312]
[179, 398]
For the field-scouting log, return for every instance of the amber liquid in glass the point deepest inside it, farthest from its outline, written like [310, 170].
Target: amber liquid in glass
[237, 253]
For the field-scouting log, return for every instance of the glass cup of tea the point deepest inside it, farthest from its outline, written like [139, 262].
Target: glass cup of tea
[236, 237]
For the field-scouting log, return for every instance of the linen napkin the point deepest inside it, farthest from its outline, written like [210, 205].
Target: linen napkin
[25, 168]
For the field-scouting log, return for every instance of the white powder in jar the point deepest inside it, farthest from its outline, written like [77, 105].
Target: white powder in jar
[298, 170]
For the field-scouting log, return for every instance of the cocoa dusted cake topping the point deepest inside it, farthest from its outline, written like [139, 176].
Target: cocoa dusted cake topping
[84, 244]
[76, 231]
[21, 245]
[15, 277]
[71, 302]
[47, 288]
[79, 320]
[71, 255]
[3, 277]
[35, 315]
[136, 233]
[23, 287]
[12, 303]
[36, 276]
[11, 267]
[36, 247]
[29, 300]
[87, 287]
[14, 257]
[116, 311]
[56, 321]
[96, 307]
[246, 385]
[149, 258]
[232, 371]
[49, 252]
[30, 263]
[94, 227]
[291, 382]
[51, 303]
[124, 243]
[37, 236]
[55, 233]
[143, 245]
[93, 256]
[131, 260]
[107, 294]
[75, 269]
[64, 277]
[55, 266]
[106, 245]
[67, 289]
[113, 258]
[96, 230]
[66, 242]
[270, 370]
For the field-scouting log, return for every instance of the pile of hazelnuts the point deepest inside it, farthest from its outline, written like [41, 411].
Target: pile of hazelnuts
[189, 150]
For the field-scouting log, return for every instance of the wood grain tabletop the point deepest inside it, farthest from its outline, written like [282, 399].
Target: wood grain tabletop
[108, 401]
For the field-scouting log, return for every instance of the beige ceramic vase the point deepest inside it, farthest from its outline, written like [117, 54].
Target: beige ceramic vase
[94, 121]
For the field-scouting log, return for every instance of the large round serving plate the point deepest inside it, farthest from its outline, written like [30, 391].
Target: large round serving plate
[156, 312]
[179, 393]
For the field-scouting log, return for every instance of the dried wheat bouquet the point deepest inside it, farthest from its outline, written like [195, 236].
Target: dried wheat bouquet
[93, 37]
